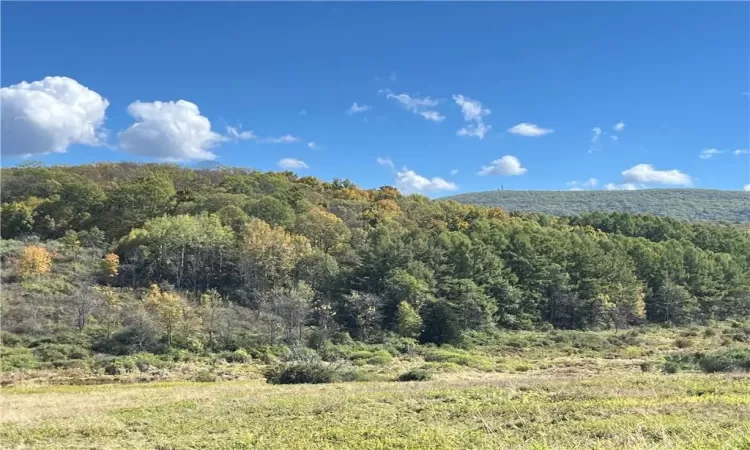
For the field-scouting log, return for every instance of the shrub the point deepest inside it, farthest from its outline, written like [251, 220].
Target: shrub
[737, 359]
[683, 343]
[11, 340]
[648, 366]
[709, 332]
[206, 376]
[299, 373]
[415, 375]
[58, 352]
[238, 356]
[14, 358]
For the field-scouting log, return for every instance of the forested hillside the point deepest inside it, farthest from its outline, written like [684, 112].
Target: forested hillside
[150, 257]
[684, 204]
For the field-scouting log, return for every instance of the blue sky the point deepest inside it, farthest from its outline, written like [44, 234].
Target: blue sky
[529, 83]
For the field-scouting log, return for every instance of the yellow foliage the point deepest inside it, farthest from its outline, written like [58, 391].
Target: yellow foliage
[111, 264]
[34, 260]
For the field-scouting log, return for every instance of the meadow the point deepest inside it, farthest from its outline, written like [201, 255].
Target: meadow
[526, 390]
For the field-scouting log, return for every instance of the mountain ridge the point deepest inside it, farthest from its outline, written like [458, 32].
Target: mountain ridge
[684, 203]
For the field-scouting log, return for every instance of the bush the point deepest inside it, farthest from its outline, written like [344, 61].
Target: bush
[206, 376]
[709, 332]
[238, 356]
[415, 375]
[683, 343]
[737, 359]
[648, 366]
[299, 373]
[59, 352]
[11, 340]
[14, 358]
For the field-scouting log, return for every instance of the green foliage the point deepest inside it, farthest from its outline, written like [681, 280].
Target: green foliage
[415, 375]
[17, 358]
[299, 373]
[737, 359]
[685, 204]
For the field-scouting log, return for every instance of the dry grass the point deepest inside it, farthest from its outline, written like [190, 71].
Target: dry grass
[610, 410]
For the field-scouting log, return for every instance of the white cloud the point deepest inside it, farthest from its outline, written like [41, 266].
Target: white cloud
[286, 139]
[454, 171]
[741, 151]
[709, 152]
[478, 130]
[417, 105]
[385, 162]
[356, 109]
[432, 115]
[619, 126]
[235, 133]
[529, 129]
[590, 183]
[577, 189]
[621, 187]
[746, 188]
[314, 146]
[291, 164]
[410, 181]
[507, 165]
[49, 115]
[473, 111]
[646, 173]
[170, 131]
[597, 133]
[614, 138]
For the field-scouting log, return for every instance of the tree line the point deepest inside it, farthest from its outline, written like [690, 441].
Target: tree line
[204, 250]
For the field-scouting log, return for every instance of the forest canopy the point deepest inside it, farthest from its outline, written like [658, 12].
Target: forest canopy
[155, 255]
[684, 204]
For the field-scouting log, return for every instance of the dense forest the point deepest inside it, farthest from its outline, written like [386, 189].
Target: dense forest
[150, 257]
[684, 204]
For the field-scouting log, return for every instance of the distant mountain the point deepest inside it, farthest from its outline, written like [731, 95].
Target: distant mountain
[685, 204]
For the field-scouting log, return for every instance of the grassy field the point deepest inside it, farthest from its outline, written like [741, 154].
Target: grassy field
[525, 390]
[612, 409]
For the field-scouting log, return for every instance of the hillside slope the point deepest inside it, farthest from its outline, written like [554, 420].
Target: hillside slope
[685, 204]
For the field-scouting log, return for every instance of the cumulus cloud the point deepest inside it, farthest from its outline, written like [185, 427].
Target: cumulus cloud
[507, 165]
[236, 134]
[418, 105]
[170, 131]
[314, 146]
[474, 113]
[619, 126]
[577, 189]
[621, 187]
[385, 162]
[746, 187]
[529, 130]
[477, 130]
[432, 115]
[596, 135]
[356, 109]
[709, 153]
[741, 151]
[614, 138]
[49, 115]
[646, 173]
[579, 186]
[454, 171]
[410, 181]
[292, 163]
[286, 139]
